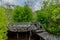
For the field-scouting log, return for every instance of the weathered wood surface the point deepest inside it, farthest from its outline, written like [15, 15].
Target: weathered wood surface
[21, 27]
[47, 36]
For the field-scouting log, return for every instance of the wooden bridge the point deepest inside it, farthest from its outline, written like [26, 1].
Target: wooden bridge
[32, 30]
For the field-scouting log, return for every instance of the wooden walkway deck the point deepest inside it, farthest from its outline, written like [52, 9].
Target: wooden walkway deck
[47, 36]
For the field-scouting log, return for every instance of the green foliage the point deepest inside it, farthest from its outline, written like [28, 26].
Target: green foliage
[50, 18]
[3, 24]
[22, 14]
[27, 15]
[34, 17]
[16, 15]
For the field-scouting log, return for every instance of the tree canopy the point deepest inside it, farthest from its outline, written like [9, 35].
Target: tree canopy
[22, 14]
[3, 24]
[49, 17]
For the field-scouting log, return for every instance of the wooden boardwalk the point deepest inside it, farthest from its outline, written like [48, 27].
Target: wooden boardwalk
[47, 36]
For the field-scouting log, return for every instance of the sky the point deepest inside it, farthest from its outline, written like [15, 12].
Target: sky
[34, 4]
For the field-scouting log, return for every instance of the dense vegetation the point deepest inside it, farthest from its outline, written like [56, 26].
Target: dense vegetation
[49, 17]
[22, 14]
[3, 24]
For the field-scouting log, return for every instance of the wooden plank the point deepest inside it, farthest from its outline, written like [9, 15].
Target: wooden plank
[48, 36]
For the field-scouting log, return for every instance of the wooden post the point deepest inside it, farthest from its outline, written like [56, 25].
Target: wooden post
[30, 36]
[17, 36]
